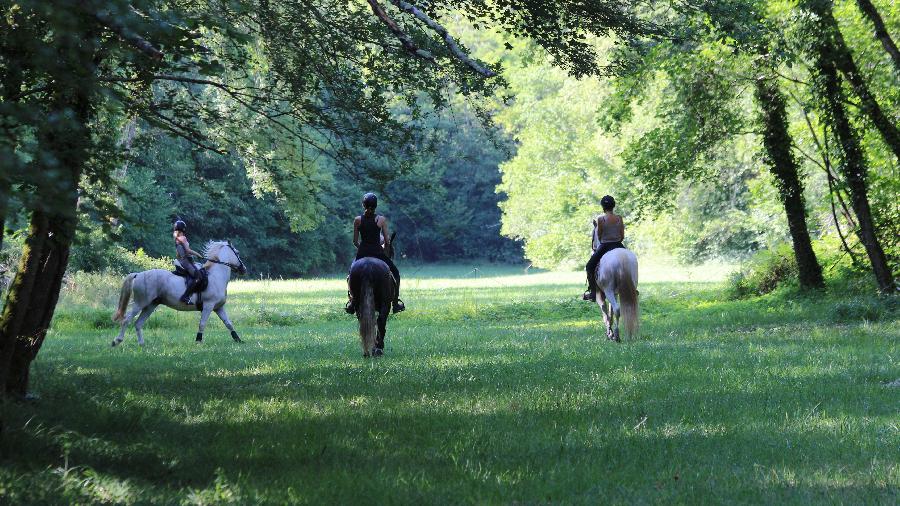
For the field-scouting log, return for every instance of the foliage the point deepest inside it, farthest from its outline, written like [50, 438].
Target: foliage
[767, 270]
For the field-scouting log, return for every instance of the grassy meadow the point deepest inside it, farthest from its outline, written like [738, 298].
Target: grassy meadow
[498, 386]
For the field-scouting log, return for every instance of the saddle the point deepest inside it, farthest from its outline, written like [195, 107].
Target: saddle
[202, 278]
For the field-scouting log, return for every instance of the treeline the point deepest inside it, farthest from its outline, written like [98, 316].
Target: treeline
[443, 205]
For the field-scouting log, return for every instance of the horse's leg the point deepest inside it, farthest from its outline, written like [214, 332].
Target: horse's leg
[135, 309]
[139, 324]
[610, 295]
[382, 326]
[601, 301]
[204, 315]
[224, 317]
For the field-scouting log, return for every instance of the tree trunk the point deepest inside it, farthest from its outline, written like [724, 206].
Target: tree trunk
[881, 33]
[5, 189]
[854, 167]
[836, 50]
[33, 294]
[783, 165]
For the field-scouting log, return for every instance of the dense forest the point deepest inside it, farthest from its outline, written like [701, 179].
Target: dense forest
[490, 129]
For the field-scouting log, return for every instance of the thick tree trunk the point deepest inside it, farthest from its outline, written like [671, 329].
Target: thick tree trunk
[33, 294]
[881, 32]
[783, 165]
[854, 167]
[836, 50]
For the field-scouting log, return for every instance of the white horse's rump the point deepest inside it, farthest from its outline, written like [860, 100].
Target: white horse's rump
[149, 289]
[617, 273]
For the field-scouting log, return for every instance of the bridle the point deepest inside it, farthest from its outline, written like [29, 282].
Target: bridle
[240, 267]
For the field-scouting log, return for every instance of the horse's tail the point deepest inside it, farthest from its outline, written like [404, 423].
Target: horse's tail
[628, 299]
[366, 316]
[124, 296]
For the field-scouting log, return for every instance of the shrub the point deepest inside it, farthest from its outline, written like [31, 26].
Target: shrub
[767, 270]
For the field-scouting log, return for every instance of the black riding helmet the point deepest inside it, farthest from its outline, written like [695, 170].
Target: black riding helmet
[608, 203]
[370, 201]
[179, 226]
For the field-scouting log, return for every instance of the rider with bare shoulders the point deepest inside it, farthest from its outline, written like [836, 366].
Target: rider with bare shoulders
[610, 232]
[371, 238]
[185, 256]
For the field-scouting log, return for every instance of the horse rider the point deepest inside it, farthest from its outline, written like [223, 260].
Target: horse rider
[611, 232]
[185, 256]
[371, 238]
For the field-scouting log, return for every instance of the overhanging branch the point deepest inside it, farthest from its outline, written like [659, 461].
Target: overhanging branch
[405, 39]
[140, 43]
[448, 39]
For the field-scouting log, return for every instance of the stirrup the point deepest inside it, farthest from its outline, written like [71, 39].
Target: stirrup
[398, 306]
[589, 295]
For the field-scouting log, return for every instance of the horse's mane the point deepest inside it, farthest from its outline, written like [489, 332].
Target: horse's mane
[211, 250]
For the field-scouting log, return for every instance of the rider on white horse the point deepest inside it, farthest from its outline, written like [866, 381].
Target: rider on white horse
[185, 256]
[611, 231]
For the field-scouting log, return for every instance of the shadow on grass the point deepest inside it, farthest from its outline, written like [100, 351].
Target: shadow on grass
[574, 422]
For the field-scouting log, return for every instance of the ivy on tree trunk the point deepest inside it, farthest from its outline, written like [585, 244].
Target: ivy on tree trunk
[853, 166]
[881, 32]
[783, 165]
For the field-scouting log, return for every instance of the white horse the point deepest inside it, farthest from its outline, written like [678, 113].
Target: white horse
[151, 288]
[617, 273]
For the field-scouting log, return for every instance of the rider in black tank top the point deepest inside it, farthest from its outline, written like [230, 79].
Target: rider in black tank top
[369, 232]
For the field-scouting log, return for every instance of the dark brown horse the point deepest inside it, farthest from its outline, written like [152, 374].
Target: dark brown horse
[373, 287]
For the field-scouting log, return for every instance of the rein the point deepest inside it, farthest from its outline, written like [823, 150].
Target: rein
[213, 260]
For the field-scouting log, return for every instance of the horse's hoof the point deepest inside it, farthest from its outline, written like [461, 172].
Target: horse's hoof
[199, 337]
[377, 352]
[236, 337]
[115, 342]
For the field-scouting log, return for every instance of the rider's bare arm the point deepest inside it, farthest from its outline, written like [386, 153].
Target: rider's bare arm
[384, 232]
[356, 232]
[187, 247]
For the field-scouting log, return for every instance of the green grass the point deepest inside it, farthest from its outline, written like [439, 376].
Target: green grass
[498, 387]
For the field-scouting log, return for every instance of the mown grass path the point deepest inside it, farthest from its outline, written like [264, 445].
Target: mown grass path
[497, 387]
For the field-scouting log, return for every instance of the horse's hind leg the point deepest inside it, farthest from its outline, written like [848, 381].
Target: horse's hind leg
[135, 309]
[610, 296]
[382, 329]
[601, 301]
[142, 319]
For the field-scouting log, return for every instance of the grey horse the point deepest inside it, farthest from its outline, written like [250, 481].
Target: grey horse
[149, 289]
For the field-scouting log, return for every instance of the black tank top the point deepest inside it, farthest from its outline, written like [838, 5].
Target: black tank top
[369, 231]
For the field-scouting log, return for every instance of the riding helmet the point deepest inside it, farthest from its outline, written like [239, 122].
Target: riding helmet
[370, 201]
[179, 226]
[608, 203]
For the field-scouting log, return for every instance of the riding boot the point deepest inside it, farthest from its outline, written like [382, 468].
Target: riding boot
[350, 307]
[397, 304]
[186, 297]
[591, 293]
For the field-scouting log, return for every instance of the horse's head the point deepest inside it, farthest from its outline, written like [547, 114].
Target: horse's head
[226, 254]
[595, 237]
[389, 250]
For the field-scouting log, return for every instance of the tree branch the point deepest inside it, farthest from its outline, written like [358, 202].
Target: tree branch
[140, 43]
[405, 39]
[448, 39]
